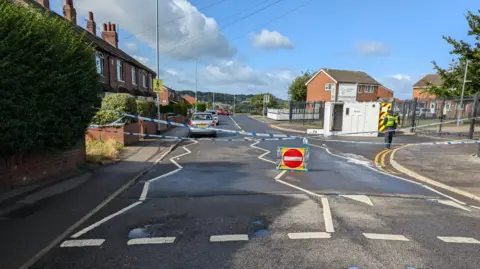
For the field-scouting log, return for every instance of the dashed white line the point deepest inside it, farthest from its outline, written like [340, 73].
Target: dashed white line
[314, 235]
[360, 198]
[327, 216]
[229, 238]
[458, 240]
[476, 207]
[451, 203]
[394, 237]
[150, 241]
[107, 218]
[82, 243]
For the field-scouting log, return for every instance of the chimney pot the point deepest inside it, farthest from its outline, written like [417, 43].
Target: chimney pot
[91, 25]
[110, 35]
[90, 15]
[104, 27]
[114, 28]
[69, 11]
[109, 27]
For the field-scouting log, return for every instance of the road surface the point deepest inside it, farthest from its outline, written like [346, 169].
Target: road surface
[217, 204]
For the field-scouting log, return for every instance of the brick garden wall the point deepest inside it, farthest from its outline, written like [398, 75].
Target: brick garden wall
[25, 169]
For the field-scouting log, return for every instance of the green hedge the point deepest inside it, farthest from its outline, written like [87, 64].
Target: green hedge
[121, 102]
[201, 106]
[181, 109]
[48, 80]
[146, 108]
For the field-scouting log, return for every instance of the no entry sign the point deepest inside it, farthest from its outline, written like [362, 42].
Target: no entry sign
[293, 158]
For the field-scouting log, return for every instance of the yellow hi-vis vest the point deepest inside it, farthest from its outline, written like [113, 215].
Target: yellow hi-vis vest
[391, 121]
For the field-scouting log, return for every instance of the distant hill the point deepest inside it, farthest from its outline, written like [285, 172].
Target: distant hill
[225, 98]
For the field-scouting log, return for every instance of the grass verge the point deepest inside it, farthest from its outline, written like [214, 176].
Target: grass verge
[103, 151]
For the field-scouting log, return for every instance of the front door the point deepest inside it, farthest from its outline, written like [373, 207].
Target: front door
[337, 117]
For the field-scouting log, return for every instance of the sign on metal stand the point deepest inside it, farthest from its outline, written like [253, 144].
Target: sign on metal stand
[293, 158]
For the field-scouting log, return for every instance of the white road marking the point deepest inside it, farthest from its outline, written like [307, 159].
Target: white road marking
[451, 203]
[107, 218]
[397, 177]
[360, 198]
[327, 216]
[152, 240]
[459, 240]
[316, 235]
[396, 237]
[261, 156]
[229, 238]
[476, 207]
[146, 186]
[238, 126]
[82, 243]
[280, 175]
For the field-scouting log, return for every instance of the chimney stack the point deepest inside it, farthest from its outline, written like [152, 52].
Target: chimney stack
[69, 11]
[110, 35]
[44, 3]
[91, 25]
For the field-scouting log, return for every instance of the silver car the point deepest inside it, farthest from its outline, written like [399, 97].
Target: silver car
[201, 124]
[214, 114]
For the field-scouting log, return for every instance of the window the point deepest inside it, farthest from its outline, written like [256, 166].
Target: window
[100, 60]
[150, 81]
[329, 86]
[120, 71]
[370, 89]
[134, 76]
[144, 79]
[360, 88]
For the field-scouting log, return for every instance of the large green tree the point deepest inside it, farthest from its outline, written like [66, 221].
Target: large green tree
[452, 77]
[257, 101]
[48, 80]
[298, 90]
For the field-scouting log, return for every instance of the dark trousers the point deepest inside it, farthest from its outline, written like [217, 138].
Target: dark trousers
[389, 137]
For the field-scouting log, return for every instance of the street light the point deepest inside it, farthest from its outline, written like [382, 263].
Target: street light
[463, 90]
[196, 85]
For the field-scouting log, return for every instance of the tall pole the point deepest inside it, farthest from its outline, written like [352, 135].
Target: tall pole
[196, 85]
[213, 103]
[234, 104]
[158, 63]
[463, 90]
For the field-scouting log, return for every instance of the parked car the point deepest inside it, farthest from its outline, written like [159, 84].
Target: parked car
[214, 115]
[200, 123]
[219, 111]
[226, 112]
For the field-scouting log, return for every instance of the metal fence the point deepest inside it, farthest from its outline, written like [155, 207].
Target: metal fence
[428, 116]
[305, 113]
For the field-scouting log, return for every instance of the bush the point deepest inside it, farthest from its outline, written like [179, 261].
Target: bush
[180, 109]
[49, 81]
[99, 151]
[146, 108]
[201, 106]
[121, 102]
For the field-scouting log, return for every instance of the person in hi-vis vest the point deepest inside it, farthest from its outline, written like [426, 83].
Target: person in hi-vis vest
[390, 122]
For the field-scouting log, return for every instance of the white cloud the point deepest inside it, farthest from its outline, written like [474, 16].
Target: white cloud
[172, 72]
[143, 60]
[401, 77]
[131, 47]
[372, 48]
[185, 34]
[271, 40]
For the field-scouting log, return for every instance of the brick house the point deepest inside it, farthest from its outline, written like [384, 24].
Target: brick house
[423, 83]
[344, 85]
[120, 72]
[170, 96]
[189, 99]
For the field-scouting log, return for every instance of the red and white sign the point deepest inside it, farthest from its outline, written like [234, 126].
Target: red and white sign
[292, 158]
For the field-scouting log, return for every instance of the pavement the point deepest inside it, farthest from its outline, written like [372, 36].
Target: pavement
[30, 221]
[223, 204]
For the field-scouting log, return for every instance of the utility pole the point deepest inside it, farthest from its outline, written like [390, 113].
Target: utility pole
[196, 85]
[461, 98]
[158, 64]
[213, 103]
[234, 104]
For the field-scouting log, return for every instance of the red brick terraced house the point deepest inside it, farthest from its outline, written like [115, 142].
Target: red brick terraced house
[344, 85]
[170, 96]
[120, 72]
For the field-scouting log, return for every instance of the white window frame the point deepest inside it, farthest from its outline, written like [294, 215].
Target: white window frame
[134, 75]
[329, 86]
[120, 71]
[144, 79]
[150, 82]
[100, 58]
[360, 88]
[370, 89]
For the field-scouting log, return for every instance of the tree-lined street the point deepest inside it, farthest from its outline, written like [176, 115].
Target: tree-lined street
[226, 206]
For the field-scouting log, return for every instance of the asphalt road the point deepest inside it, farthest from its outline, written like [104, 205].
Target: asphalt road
[217, 204]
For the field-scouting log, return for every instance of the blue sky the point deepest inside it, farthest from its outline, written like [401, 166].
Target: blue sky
[393, 41]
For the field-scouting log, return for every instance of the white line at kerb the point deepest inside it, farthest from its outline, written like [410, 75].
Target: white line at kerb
[229, 238]
[317, 235]
[82, 243]
[152, 240]
[327, 216]
[395, 237]
[458, 240]
[107, 218]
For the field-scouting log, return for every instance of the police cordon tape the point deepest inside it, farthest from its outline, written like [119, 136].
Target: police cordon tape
[254, 134]
[167, 137]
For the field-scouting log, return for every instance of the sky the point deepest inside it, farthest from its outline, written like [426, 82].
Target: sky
[259, 46]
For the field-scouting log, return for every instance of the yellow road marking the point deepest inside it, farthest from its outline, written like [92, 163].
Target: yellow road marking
[381, 165]
[378, 156]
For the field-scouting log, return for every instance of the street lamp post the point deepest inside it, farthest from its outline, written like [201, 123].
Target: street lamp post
[158, 63]
[196, 86]
[461, 98]
[234, 104]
